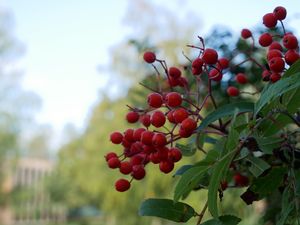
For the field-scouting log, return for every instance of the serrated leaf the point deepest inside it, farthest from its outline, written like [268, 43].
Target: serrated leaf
[186, 150]
[269, 183]
[189, 180]
[258, 166]
[226, 110]
[182, 170]
[167, 209]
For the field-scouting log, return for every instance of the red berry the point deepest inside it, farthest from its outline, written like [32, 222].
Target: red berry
[266, 75]
[174, 72]
[233, 91]
[137, 134]
[210, 56]
[182, 82]
[128, 135]
[223, 63]
[215, 75]
[132, 117]
[173, 82]
[147, 137]
[116, 137]
[265, 39]
[158, 119]
[270, 20]
[180, 114]
[280, 13]
[173, 99]
[241, 78]
[113, 163]
[137, 159]
[149, 57]
[145, 120]
[154, 158]
[197, 66]
[122, 185]
[138, 172]
[170, 117]
[174, 154]
[246, 33]
[290, 41]
[274, 77]
[276, 64]
[166, 166]
[188, 124]
[136, 148]
[291, 56]
[159, 140]
[155, 100]
[224, 185]
[241, 180]
[110, 155]
[275, 45]
[273, 53]
[125, 167]
[185, 133]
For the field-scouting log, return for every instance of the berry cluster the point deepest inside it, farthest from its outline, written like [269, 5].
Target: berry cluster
[174, 112]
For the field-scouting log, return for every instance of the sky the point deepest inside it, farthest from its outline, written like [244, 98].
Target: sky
[66, 41]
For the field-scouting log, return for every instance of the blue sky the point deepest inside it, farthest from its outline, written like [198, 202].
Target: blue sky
[66, 40]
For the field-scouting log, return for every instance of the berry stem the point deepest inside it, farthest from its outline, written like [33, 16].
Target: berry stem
[283, 28]
[202, 213]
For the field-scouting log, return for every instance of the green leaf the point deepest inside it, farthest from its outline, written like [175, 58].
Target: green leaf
[258, 166]
[292, 70]
[273, 91]
[189, 180]
[186, 150]
[287, 206]
[269, 183]
[182, 170]
[268, 144]
[212, 222]
[210, 158]
[223, 220]
[226, 110]
[167, 209]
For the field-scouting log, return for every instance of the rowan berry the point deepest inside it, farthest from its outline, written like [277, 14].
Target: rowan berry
[137, 134]
[240, 180]
[113, 162]
[215, 75]
[174, 154]
[110, 155]
[158, 118]
[173, 82]
[188, 124]
[280, 13]
[173, 99]
[269, 20]
[174, 72]
[273, 53]
[274, 77]
[125, 167]
[185, 133]
[266, 75]
[122, 185]
[275, 45]
[166, 166]
[197, 66]
[290, 41]
[137, 159]
[180, 114]
[291, 56]
[132, 117]
[241, 78]
[116, 137]
[223, 63]
[276, 64]
[182, 82]
[128, 135]
[136, 148]
[159, 140]
[210, 56]
[147, 137]
[233, 91]
[145, 120]
[170, 116]
[246, 33]
[149, 57]
[138, 172]
[154, 158]
[155, 100]
[265, 39]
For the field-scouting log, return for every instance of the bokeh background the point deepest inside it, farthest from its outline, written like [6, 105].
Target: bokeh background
[67, 70]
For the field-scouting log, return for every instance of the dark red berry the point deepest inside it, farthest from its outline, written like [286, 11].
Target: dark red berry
[138, 172]
[155, 100]
[166, 166]
[246, 33]
[145, 120]
[173, 82]
[275, 45]
[274, 77]
[147, 137]
[110, 155]
[116, 137]
[291, 56]
[185, 133]
[280, 13]
[241, 78]
[266, 75]
[171, 117]
[265, 39]
[180, 114]
[233, 91]
[159, 140]
[197, 66]
[173, 99]
[125, 167]
[210, 56]
[122, 185]
[188, 124]
[174, 154]
[273, 53]
[155, 158]
[240, 180]
[182, 82]
[132, 117]
[290, 41]
[276, 64]
[174, 72]
[269, 20]
[215, 75]
[224, 185]
[223, 63]
[113, 163]
[137, 159]
[128, 135]
[137, 134]
[149, 57]
[158, 119]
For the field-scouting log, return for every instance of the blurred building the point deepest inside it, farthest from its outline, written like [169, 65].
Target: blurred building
[30, 202]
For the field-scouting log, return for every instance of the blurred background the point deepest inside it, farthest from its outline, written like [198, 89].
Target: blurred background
[67, 71]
